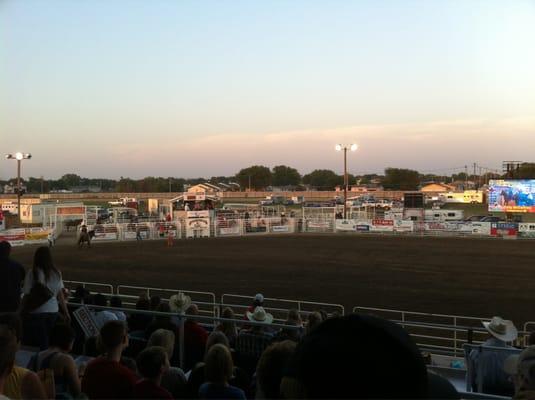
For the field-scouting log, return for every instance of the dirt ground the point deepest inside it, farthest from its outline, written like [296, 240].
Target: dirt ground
[473, 277]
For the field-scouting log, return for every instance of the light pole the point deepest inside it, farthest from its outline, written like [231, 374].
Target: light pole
[339, 147]
[19, 157]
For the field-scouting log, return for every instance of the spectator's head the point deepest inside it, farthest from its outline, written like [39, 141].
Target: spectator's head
[227, 313]
[12, 322]
[62, 336]
[5, 249]
[294, 319]
[100, 300]
[163, 307]
[366, 357]
[42, 260]
[163, 338]
[193, 309]
[152, 362]
[113, 335]
[531, 339]
[143, 303]
[501, 329]
[116, 302]
[8, 349]
[314, 320]
[258, 300]
[216, 337]
[155, 301]
[218, 364]
[271, 368]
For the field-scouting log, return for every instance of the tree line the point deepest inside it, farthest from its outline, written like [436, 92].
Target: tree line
[259, 177]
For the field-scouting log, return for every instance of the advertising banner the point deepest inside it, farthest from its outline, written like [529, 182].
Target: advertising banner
[2, 221]
[230, 230]
[15, 237]
[280, 228]
[503, 229]
[512, 195]
[197, 227]
[346, 225]
[435, 226]
[198, 214]
[38, 236]
[362, 228]
[145, 234]
[382, 225]
[526, 229]
[106, 236]
[403, 226]
[73, 210]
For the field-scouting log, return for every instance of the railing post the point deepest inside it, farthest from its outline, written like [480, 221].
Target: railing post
[455, 336]
[470, 336]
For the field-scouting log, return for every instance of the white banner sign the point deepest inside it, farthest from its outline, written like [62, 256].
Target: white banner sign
[87, 321]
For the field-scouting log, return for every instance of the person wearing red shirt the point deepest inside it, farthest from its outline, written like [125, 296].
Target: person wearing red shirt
[152, 363]
[105, 377]
[195, 337]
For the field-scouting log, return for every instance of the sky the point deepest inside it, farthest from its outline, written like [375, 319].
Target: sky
[193, 88]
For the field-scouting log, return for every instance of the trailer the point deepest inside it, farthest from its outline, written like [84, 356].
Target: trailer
[443, 215]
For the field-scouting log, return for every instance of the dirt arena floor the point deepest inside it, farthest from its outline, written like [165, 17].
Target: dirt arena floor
[473, 277]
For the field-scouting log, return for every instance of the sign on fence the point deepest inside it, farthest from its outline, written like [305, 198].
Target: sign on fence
[87, 321]
[526, 229]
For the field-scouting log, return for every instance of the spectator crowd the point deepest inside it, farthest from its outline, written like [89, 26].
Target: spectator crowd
[138, 353]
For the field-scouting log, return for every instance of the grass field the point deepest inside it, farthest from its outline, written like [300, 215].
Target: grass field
[474, 277]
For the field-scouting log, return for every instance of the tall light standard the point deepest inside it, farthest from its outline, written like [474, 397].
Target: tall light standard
[19, 157]
[345, 148]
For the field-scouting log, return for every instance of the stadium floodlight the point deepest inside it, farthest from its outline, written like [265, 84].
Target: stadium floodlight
[19, 157]
[345, 148]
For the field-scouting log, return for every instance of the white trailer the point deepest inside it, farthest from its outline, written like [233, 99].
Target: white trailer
[443, 215]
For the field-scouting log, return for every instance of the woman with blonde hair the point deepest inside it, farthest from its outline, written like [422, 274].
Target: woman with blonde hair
[218, 372]
[227, 327]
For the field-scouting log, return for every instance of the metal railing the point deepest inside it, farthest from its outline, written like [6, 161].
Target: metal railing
[93, 287]
[441, 333]
[279, 307]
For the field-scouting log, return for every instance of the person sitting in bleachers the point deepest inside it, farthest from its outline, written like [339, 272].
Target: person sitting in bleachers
[102, 316]
[195, 337]
[105, 377]
[116, 302]
[521, 367]
[271, 367]
[139, 322]
[495, 380]
[218, 372]
[155, 301]
[313, 321]
[11, 279]
[21, 383]
[173, 380]
[161, 322]
[227, 327]
[293, 320]
[357, 356]
[197, 376]
[152, 364]
[8, 350]
[252, 342]
[57, 359]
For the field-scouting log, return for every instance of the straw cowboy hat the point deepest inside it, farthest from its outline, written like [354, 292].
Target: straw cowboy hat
[179, 303]
[501, 329]
[260, 315]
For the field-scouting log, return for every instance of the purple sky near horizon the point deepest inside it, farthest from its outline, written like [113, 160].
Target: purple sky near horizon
[205, 88]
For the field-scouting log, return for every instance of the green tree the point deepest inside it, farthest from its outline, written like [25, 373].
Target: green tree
[285, 176]
[257, 177]
[323, 179]
[401, 179]
[70, 180]
[525, 171]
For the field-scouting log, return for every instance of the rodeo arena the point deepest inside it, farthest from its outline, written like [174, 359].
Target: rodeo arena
[203, 298]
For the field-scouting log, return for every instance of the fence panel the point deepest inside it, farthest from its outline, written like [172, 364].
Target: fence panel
[435, 332]
[93, 287]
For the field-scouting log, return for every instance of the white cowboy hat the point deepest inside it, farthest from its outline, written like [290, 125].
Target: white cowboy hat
[179, 303]
[259, 315]
[501, 329]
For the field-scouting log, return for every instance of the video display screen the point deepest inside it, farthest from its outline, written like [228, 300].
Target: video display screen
[512, 195]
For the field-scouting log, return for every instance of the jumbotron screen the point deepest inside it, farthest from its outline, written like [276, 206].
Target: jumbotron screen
[512, 195]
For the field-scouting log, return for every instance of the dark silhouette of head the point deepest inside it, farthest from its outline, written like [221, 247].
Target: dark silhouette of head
[360, 356]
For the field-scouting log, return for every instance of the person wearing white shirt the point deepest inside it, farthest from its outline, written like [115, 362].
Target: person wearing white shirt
[38, 322]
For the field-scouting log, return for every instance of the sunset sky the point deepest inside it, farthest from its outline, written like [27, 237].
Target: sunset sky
[202, 88]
